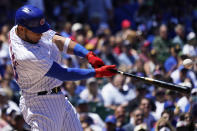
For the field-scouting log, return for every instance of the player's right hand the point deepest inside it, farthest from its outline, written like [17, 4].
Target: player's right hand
[104, 71]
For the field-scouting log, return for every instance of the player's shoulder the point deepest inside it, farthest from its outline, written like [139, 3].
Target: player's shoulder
[48, 35]
[12, 35]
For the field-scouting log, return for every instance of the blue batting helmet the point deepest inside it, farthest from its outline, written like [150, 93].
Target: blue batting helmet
[32, 18]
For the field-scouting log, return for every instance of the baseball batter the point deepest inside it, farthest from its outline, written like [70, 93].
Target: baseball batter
[35, 53]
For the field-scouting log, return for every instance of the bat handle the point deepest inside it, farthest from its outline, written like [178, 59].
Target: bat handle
[117, 71]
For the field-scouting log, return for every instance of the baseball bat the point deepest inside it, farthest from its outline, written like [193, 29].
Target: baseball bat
[171, 86]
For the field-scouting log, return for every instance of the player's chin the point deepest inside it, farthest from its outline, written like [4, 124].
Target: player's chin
[33, 42]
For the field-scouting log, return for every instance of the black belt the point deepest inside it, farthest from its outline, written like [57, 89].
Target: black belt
[52, 91]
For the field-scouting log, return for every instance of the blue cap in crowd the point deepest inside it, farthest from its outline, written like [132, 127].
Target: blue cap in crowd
[110, 119]
[169, 105]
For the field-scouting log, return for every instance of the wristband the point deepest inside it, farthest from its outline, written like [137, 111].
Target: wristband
[79, 50]
[66, 43]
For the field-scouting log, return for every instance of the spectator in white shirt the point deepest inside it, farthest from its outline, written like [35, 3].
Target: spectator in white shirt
[117, 92]
[91, 93]
[190, 48]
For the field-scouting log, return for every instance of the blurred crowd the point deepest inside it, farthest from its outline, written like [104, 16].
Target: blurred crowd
[147, 38]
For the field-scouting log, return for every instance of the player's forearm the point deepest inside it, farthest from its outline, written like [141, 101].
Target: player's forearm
[68, 46]
[69, 74]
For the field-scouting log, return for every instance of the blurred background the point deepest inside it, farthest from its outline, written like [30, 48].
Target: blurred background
[145, 37]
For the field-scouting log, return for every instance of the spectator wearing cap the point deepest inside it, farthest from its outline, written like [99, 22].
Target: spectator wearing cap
[75, 29]
[117, 92]
[128, 35]
[110, 124]
[190, 48]
[125, 27]
[180, 35]
[82, 107]
[136, 118]
[92, 93]
[85, 120]
[161, 44]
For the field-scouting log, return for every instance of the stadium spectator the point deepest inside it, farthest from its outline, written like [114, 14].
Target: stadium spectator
[116, 92]
[136, 118]
[180, 36]
[120, 116]
[161, 44]
[159, 102]
[146, 108]
[110, 124]
[82, 107]
[68, 89]
[163, 124]
[92, 93]
[172, 61]
[190, 48]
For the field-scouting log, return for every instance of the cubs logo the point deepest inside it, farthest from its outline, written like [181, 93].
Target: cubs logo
[42, 21]
[26, 10]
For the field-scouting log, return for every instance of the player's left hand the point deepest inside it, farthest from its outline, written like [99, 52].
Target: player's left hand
[94, 60]
[105, 71]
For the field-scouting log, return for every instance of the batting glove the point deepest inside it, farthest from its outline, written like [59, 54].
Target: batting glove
[94, 60]
[105, 71]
